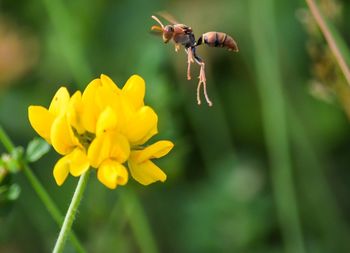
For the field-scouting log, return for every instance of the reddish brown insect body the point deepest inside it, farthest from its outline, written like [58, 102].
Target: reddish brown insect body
[218, 39]
[183, 35]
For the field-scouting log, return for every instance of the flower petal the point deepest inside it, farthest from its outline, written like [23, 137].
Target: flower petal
[156, 150]
[62, 136]
[59, 103]
[91, 110]
[107, 94]
[61, 170]
[75, 112]
[112, 173]
[108, 82]
[120, 147]
[78, 162]
[141, 126]
[99, 150]
[106, 121]
[125, 111]
[146, 173]
[108, 145]
[41, 120]
[134, 89]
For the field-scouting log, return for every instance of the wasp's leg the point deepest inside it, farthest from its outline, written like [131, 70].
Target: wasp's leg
[202, 80]
[189, 61]
[177, 47]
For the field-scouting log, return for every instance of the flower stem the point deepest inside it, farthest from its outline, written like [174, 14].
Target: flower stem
[269, 80]
[40, 191]
[72, 210]
[49, 204]
[6, 140]
[329, 38]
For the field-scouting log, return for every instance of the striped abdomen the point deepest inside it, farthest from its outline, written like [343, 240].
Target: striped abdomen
[218, 39]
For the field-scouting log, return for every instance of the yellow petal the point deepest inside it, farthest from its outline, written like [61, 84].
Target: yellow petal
[125, 112]
[61, 170]
[99, 150]
[146, 173]
[134, 89]
[108, 82]
[59, 103]
[120, 147]
[75, 162]
[156, 150]
[112, 173]
[106, 121]
[91, 111]
[107, 95]
[62, 136]
[141, 126]
[78, 162]
[41, 120]
[75, 112]
[108, 145]
[90, 89]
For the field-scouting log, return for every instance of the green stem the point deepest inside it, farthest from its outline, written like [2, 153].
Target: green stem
[6, 140]
[138, 222]
[49, 204]
[263, 28]
[40, 190]
[315, 184]
[70, 215]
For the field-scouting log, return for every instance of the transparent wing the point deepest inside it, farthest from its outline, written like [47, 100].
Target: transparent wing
[168, 17]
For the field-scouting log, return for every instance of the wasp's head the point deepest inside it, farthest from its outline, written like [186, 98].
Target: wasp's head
[168, 32]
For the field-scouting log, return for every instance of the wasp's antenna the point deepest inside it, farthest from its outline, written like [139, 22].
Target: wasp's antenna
[158, 21]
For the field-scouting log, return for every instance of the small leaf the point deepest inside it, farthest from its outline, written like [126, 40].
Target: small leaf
[11, 161]
[13, 192]
[17, 153]
[36, 149]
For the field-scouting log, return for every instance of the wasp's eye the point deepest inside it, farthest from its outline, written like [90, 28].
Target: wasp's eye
[169, 28]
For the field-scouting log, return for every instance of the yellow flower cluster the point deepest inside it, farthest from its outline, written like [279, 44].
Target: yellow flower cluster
[105, 127]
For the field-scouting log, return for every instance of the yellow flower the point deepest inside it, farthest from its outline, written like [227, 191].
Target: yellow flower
[109, 150]
[104, 127]
[142, 169]
[41, 118]
[75, 162]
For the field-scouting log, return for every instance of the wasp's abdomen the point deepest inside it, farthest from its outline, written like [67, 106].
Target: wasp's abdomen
[218, 39]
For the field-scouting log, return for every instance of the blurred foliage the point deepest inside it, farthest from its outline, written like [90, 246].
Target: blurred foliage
[219, 196]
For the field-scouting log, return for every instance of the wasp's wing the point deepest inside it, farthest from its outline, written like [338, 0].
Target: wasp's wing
[168, 17]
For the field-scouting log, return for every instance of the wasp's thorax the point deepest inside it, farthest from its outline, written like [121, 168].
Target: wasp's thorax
[168, 32]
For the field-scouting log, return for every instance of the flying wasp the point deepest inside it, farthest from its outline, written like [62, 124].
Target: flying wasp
[183, 35]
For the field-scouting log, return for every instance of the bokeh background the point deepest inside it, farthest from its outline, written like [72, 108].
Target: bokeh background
[266, 169]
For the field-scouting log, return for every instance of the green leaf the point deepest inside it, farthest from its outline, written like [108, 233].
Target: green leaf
[36, 149]
[11, 161]
[13, 192]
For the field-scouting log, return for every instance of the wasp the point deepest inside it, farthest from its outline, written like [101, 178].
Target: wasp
[182, 35]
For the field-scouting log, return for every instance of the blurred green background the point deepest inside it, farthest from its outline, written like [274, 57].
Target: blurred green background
[266, 169]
